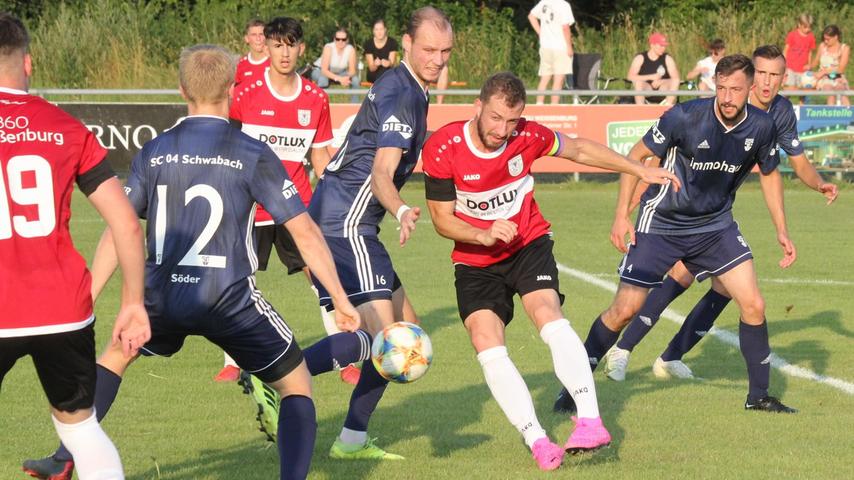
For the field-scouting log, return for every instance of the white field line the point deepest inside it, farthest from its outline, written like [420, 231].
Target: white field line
[791, 281]
[724, 336]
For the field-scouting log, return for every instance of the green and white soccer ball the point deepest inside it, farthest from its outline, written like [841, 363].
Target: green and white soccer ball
[402, 352]
[807, 80]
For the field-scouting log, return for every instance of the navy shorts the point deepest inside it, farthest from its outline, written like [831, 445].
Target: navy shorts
[269, 236]
[241, 322]
[65, 364]
[704, 254]
[492, 288]
[364, 269]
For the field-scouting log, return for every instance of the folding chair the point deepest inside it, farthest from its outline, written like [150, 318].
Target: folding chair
[587, 74]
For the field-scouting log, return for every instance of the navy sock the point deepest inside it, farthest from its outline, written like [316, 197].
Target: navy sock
[365, 398]
[338, 350]
[106, 388]
[658, 299]
[296, 436]
[757, 355]
[697, 324]
[599, 340]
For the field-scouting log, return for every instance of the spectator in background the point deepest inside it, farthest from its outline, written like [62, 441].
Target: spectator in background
[552, 20]
[800, 43]
[654, 70]
[252, 65]
[705, 68]
[337, 64]
[831, 60]
[380, 51]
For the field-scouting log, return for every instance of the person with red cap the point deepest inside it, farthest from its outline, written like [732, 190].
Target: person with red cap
[654, 70]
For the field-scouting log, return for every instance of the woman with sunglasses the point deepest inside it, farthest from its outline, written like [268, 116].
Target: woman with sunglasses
[337, 64]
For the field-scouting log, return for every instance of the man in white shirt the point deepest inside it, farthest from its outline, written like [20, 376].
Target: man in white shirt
[552, 20]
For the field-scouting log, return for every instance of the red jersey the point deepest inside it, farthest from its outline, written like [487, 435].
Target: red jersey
[799, 50]
[44, 284]
[289, 125]
[248, 69]
[493, 185]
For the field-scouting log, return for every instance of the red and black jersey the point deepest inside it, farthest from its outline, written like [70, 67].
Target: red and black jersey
[249, 70]
[489, 186]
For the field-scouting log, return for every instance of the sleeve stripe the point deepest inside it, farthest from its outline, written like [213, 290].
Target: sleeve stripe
[555, 146]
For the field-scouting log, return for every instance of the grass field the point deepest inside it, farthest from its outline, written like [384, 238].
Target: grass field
[172, 421]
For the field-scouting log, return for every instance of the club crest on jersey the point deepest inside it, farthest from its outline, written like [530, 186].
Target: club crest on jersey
[514, 165]
[748, 143]
[304, 117]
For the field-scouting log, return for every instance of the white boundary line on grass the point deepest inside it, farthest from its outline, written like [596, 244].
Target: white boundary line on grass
[724, 336]
[793, 281]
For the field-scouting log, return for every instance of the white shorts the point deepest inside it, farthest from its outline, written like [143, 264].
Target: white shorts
[554, 62]
[794, 79]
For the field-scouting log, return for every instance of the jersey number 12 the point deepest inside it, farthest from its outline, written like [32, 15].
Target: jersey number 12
[193, 257]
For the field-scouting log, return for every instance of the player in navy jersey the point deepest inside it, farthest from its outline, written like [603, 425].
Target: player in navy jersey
[197, 185]
[480, 192]
[361, 183]
[712, 145]
[770, 68]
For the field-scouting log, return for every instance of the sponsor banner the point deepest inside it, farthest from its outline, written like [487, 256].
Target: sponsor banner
[124, 128]
[827, 133]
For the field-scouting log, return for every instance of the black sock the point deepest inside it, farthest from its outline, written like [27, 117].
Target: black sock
[757, 355]
[296, 435]
[337, 350]
[106, 388]
[656, 302]
[599, 340]
[366, 395]
[697, 324]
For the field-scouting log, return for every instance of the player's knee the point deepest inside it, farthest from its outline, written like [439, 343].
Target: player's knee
[618, 315]
[753, 310]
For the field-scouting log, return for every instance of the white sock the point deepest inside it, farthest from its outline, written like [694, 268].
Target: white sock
[95, 456]
[229, 361]
[571, 365]
[353, 437]
[509, 390]
[328, 317]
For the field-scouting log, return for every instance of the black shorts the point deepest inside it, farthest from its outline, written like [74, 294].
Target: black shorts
[492, 288]
[65, 363]
[268, 235]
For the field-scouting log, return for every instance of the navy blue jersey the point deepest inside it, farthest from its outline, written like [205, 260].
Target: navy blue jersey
[783, 113]
[710, 160]
[197, 184]
[394, 114]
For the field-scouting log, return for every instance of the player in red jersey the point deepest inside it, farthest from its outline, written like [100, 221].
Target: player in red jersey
[251, 66]
[45, 300]
[291, 114]
[480, 193]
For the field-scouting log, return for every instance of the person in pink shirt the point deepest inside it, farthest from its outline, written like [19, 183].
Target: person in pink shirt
[800, 44]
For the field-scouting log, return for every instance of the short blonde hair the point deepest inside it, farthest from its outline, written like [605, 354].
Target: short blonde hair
[206, 72]
[805, 19]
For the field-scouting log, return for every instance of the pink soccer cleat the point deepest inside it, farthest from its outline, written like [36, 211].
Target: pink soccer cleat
[547, 454]
[350, 374]
[589, 435]
[229, 373]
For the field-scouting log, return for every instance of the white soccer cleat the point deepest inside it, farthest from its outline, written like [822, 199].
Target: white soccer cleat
[672, 369]
[616, 362]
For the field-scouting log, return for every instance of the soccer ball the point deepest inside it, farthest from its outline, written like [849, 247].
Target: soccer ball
[808, 80]
[402, 352]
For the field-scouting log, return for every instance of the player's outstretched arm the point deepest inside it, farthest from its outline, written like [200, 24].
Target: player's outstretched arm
[382, 186]
[104, 263]
[319, 158]
[806, 171]
[131, 328]
[449, 226]
[772, 190]
[315, 252]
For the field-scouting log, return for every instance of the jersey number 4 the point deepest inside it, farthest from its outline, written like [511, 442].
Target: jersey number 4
[194, 257]
[39, 194]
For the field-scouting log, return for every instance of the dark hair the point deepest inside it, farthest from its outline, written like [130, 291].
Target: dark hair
[378, 21]
[342, 29]
[285, 29]
[255, 22]
[733, 63]
[832, 31]
[13, 35]
[768, 52]
[717, 45]
[506, 85]
[427, 14]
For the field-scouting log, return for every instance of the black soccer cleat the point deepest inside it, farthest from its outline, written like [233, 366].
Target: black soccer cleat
[564, 403]
[768, 404]
[49, 468]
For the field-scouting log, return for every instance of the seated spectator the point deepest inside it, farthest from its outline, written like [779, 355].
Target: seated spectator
[654, 70]
[831, 61]
[705, 68]
[380, 52]
[337, 64]
[800, 43]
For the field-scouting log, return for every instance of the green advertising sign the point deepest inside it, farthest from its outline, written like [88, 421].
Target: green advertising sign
[622, 136]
